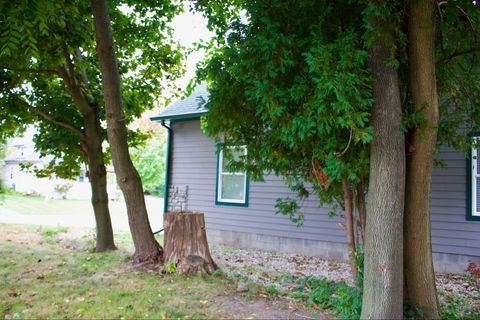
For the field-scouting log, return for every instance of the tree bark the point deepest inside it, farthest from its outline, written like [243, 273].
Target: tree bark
[97, 176]
[147, 249]
[186, 243]
[383, 282]
[349, 227]
[419, 273]
[92, 145]
[361, 208]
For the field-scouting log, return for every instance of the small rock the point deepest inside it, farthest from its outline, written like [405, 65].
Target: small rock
[242, 287]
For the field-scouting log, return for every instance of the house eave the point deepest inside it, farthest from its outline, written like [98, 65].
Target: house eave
[184, 116]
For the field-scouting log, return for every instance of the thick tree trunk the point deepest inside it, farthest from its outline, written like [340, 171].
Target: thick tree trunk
[419, 273]
[383, 282]
[97, 175]
[147, 249]
[186, 243]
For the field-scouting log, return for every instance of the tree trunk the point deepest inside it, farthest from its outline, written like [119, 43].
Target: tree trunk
[147, 249]
[92, 147]
[97, 176]
[349, 227]
[383, 282]
[186, 243]
[419, 273]
[361, 208]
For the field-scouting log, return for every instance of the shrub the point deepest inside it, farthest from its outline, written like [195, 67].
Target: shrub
[62, 189]
[338, 297]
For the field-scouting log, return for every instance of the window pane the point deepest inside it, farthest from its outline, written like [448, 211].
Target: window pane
[231, 155]
[233, 186]
[477, 161]
[477, 194]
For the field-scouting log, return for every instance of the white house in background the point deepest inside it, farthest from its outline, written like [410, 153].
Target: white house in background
[22, 151]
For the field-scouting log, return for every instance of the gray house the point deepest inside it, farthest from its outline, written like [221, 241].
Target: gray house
[241, 213]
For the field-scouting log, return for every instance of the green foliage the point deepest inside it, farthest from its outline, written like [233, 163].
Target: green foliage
[49, 232]
[290, 82]
[359, 265]
[272, 289]
[457, 72]
[62, 189]
[149, 160]
[458, 307]
[41, 41]
[337, 297]
[412, 118]
[171, 267]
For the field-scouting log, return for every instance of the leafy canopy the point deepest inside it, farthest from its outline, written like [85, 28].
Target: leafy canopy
[288, 79]
[40, 39]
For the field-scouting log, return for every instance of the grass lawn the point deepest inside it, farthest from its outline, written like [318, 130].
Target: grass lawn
[50, 272]
[40, 205]
[45, 276]
[22, 209]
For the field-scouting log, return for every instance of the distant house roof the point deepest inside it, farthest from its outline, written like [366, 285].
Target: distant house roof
[190, 107]
[25, 154]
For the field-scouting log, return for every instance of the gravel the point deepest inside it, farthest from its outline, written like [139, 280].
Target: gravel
[282, 269]
[266, 268]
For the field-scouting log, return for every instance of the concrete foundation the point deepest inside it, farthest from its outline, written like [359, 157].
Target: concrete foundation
[243, 240]
[443, 262]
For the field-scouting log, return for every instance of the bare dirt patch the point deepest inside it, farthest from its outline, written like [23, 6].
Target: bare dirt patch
[240, 307]
[21, 235]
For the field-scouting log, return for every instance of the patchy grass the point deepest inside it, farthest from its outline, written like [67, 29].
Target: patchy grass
[45, 279]
[52, 231]
[49, 273]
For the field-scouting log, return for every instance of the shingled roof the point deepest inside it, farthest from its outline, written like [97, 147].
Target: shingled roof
[192, 106]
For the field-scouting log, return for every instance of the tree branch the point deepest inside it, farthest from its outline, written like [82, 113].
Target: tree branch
[67, 72]
[459, 53]
[48, 117]
[45, 71]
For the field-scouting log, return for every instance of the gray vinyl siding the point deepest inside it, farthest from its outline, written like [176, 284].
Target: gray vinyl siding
[451, 232]
[194, 161]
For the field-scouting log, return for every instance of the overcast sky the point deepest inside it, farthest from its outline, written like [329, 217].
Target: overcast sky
[190, 28]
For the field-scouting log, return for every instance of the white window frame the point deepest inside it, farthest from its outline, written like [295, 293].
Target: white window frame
[475, 175]
[221, 173]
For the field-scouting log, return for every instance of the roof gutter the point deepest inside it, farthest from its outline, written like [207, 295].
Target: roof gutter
[167, 166]
[184, 116]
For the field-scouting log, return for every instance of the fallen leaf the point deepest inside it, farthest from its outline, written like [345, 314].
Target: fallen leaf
[13, 294]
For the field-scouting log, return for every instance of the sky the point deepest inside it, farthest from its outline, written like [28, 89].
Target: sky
[189, 28]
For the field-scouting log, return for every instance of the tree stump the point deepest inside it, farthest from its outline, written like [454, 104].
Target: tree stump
[186, 243]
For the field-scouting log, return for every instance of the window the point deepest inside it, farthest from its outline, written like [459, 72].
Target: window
[232, 186]
[473, 182]
[81, 177]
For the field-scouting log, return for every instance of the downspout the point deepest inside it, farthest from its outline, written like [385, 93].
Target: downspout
[167, 166]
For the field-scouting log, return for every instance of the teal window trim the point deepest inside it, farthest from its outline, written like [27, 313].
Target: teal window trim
[224, 202]
[471, 182]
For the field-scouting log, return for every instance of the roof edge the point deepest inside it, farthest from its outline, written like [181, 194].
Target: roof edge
[184, 116]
